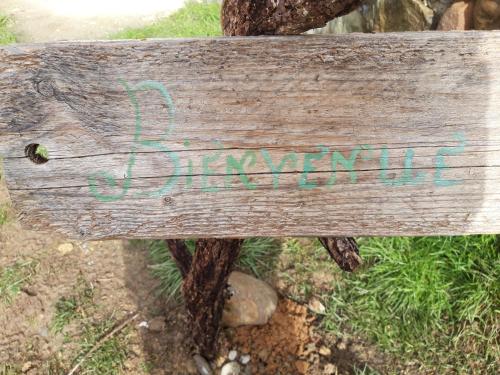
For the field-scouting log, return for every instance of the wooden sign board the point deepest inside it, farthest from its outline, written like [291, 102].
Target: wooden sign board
[384, 134]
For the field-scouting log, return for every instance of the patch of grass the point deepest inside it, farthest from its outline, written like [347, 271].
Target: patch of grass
[54, 365]
[147, 367]
[366, 370]
[75, 306]
[6, 36]
[13, 278]
[257, 256]
[433, 299]
[80, 308]
[109, 358]
[3, 214]
[9, 369]
[195, 19]
[42, 151]
[306, 268]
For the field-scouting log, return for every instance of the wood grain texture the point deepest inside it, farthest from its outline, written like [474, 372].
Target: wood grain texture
[384, 134]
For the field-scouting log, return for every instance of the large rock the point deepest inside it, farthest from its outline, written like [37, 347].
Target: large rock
[460, 16]
[388, 15]
[350, 23]
[487, 15]
[252, 301]
[397, 15]
[439, 6]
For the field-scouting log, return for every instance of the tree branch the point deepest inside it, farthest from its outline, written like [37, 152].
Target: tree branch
[181, 255]
[344, 250]
[280, 17]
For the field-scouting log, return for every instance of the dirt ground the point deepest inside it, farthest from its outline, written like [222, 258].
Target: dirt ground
[50, 20]
[123, 286]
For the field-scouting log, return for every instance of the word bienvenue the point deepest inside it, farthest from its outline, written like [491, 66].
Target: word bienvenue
[235, 166]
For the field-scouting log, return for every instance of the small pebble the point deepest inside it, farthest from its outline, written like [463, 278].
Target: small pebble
[330, 369]
[302, 366]
[202, 365]
[263, 355]
[324, 351]
[219, 362]
[65, 248]
[245, 359]
[233, 354]
[342, 345]
[143, 324]
[26, 367]
[157, 324]
[231, 368]
[316, 306]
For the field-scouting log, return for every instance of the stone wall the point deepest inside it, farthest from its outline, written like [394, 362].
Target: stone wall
[417, 15]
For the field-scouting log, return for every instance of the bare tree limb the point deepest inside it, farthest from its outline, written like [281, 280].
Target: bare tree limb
[344, 251]
[280, 17]
[181, 255]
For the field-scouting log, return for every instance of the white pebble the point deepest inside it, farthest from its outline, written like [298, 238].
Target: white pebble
[245, 359]
[231, 368]
[143, 324]
[233, 354]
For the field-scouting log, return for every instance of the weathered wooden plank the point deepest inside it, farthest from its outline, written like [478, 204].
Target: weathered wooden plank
[385, 134]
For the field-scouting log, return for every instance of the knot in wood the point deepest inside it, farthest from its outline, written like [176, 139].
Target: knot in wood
[45, 87]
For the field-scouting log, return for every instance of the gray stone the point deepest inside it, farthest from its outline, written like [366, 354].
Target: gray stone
[252, 301]
[245, 359]
[397, 15]
[388, 15]
[350, 23]
[202, 365]
[231, 368]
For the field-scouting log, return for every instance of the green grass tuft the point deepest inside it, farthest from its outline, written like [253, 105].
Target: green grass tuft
[69, 308]
[13, 278]
[9, 369]
[80, 308]
[3, 214]
[257, 256]
[42, 151]
[109, 358]
[6, 36]
[436, 299]
[195, 19]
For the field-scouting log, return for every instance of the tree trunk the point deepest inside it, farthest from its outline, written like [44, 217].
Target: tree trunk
[204, 285]
[205, 289]
[206, 273]
[181, 255]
